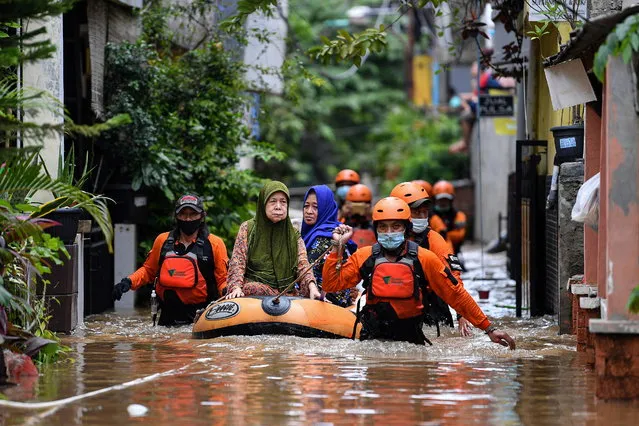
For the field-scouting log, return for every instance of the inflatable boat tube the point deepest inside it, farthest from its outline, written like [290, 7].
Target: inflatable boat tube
[254, 315]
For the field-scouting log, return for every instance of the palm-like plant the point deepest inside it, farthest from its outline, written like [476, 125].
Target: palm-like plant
[22, 176]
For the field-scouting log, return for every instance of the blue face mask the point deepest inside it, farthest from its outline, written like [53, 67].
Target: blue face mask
[420, 225]
[390, 240]
[342, 191]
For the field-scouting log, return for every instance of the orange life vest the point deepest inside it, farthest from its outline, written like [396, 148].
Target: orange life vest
[179, 271]
[397, 283]
[183, 273]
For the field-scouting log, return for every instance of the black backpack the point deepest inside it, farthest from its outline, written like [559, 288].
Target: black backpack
[204, 252]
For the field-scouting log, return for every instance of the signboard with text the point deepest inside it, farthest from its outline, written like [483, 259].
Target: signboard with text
[497, 106]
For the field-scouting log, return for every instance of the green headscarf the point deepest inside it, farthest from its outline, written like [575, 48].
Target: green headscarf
[272, 247]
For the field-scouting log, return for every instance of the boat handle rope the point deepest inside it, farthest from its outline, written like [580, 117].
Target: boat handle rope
[276, 300]
[300, 276]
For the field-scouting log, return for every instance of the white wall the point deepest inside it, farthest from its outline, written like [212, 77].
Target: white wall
[497, 162]
[265, 60]
[47, 75]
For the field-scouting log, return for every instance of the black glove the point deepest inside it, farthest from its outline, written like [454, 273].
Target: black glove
[120, 288]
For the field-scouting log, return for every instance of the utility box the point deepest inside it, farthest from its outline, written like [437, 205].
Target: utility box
[98, 273]
[62, 293]
[125, 247]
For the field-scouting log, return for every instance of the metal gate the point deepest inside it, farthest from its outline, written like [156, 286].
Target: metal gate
[528, 226]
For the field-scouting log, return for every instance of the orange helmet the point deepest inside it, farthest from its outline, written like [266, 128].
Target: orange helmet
[391, 208]
[425, 184]
[359, 194]
[347, 175]
[444, 189]
[410, 193]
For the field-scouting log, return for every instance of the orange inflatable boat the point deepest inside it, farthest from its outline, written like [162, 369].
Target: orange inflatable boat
[255, 315]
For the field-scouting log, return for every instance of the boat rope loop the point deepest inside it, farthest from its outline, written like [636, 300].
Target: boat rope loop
[311, 266]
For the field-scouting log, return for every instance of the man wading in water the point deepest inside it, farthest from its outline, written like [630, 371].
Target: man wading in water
[188, 265]
[397, 273]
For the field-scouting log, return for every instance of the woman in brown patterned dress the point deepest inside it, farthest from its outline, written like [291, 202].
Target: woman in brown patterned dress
[269, 253]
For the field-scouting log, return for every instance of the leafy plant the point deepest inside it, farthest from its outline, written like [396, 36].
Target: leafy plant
[26, 252]
[633, 301]
[24, 175]
[350, 47]
[187, 132]
[623, 41]
[411, 146]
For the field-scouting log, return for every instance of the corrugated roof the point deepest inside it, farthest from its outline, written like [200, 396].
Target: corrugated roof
[585, 41]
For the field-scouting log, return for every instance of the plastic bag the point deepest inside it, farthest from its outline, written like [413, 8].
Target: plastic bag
[586, 208]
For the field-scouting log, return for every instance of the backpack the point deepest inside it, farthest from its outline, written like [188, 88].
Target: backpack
[435, 309]
[203, 251]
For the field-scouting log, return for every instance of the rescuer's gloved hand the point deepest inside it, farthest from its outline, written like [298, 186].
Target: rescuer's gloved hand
[120, 288]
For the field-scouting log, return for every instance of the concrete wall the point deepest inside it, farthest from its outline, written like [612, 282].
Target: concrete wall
[491, 191]
[571, 239]
[47, 75]
[264, 60]
[603, 7]
[620, 192]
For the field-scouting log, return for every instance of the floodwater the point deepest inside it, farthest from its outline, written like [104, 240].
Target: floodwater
[288, 380]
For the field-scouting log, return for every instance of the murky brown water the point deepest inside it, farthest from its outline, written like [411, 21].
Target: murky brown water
[289, 380]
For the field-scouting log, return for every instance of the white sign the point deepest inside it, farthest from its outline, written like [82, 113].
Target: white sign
[569, 85]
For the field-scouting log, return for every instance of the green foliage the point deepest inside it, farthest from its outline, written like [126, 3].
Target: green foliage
[539, 31]
[410, 146]
[187, 129]
[29, 252]
[234, 24]
[350, 47]
[633, 301]
[323, 121]
[27, 45]
[624, 41]
[24, 175]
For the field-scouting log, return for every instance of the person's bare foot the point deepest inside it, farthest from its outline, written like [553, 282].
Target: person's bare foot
[458, 147]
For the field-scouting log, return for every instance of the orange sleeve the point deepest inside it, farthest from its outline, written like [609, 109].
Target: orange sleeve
[348, 275]
[149, 270]
[458, 233]
[444, 251]
[221, 262]
[437, 224]
[452, 293]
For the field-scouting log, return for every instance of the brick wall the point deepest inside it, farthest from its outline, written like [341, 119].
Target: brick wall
[617, 365]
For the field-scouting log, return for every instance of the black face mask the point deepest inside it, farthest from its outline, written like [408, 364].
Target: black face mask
[188, 227]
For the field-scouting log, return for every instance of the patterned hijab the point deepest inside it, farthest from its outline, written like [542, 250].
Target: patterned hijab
[272, 247]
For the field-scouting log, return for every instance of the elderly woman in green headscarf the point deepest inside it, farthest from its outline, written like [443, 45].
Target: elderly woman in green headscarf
[269, 253]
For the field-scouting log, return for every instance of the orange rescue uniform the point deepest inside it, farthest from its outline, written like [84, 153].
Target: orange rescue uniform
[454, 228]
[443, 249]
[453, 294]
[149, 271]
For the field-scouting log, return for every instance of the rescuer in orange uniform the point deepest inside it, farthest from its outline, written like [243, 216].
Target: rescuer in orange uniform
[358, 207]
[188, 266]
[424, 184]
[419, 202]
[343, 182]
[396, 274]
[454, 221]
